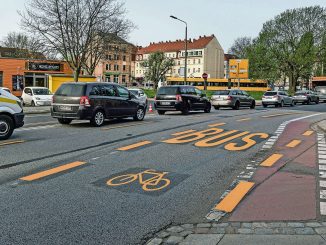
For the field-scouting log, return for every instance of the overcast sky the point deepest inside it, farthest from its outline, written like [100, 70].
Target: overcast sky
[227, 19]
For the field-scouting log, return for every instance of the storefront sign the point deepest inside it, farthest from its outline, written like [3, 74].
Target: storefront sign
[44, 66]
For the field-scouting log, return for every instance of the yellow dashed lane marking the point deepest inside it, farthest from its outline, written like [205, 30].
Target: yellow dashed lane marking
[278, 115]
[184, 132]
[271, 160]
[232, 199]
[293, 143]
[216, 124]
[52, 171]
[12, 142]
[308, 133]
[244, 119]
[133, 146]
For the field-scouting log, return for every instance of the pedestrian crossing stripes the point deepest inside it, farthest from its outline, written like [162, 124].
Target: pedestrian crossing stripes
[322, 172]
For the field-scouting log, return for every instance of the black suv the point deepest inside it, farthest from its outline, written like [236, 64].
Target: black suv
[181, 98]
[95, 102]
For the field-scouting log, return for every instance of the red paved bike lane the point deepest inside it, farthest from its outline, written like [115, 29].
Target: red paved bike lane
[287, 190]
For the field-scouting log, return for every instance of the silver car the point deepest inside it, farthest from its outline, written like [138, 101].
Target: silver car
[306, 97]
[234, 98]
[277, 98]
[139, 93]
[321, 92]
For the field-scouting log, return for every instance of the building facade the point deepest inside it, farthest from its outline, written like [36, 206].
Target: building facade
[16, 74]
[118, 63]
[205, 55]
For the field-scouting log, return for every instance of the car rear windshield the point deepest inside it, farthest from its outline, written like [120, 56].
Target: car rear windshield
[300, 93]
[41, 91]
[73, 90]
[223, 92]
[168, 91]
[270, 93]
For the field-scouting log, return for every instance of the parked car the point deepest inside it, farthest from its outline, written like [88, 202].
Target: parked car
[321, 93]
[234, 98]
[139, 93]
[95, 102]
[181, 98]
[277, 98]
[306, 97]
[11, 114]
[36, 96]
[6, 89]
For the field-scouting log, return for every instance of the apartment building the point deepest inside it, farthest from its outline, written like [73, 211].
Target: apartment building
[117, 66]
[205, 55]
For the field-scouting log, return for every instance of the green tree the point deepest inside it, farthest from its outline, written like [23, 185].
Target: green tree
[294, 40]
[157, 65]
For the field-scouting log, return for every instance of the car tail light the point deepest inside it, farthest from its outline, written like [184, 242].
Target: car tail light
[276, 96]
[178, 97]
[84, 101]
[229, 98]
[264, 97]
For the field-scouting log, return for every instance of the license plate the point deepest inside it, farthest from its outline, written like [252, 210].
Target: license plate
[165, 103]
[64, 108]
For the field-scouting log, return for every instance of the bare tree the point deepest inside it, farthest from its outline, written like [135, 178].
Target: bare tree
[72, 27]
[25, 46]
[240, 47]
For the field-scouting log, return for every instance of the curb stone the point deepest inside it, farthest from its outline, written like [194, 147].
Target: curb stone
[190, 233]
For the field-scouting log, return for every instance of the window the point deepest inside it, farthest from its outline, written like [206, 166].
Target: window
[124, 67]
[194, 61]
[194, 70]
[116, 79]
[107, 66]
[1, 79]
[123, 92]
[178, 62]
[73, 90]
[110, 57]
[124, 58]
[108, 90]
[198, 92]
[123, 78]
[95, 91]
[189, 70]
[200, 53]
[198, 61]
[198, 70]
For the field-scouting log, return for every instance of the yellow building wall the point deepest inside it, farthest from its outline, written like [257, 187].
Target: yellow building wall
[56, 81]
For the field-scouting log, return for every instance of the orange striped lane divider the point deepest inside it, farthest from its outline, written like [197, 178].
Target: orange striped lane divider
[134, 146]
[229, 203]
[52, 171]
[269, 162]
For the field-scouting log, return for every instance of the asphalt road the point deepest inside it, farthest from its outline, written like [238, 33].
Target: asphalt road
[90, 204]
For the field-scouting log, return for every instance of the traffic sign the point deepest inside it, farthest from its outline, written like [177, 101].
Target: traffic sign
[239, 69]
[205, 75]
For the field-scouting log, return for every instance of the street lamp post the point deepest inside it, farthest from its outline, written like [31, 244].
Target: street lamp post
[186, 46]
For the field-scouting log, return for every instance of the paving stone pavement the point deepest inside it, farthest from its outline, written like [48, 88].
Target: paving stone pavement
[230, 233]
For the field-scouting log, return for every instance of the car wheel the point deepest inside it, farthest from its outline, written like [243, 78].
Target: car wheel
[253, 105]
[309, 101]
[216, 107]
[295, 103]
[317, 101]
[140, 114]
[33, 103]
[264, 105]
[64, 120]
[6, 127]
[161, 112]
[208, 108]
[292, 104]
[237, 105]
[282, 103]
[98, 119]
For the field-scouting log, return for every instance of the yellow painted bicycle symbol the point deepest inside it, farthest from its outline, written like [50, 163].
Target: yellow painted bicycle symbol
[154, 183]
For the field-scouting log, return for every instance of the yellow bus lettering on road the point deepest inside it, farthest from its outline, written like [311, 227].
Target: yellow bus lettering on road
[248, 140]
[194, 136]
[210, 142]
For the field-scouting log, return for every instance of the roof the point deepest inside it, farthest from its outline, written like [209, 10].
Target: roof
[174, 46]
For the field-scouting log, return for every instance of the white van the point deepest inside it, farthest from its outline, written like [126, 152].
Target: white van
[11, 114]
